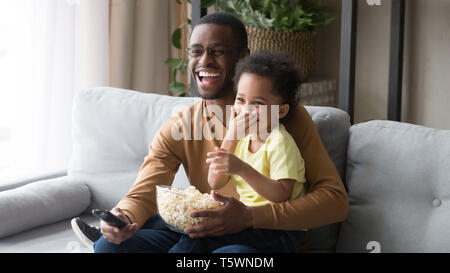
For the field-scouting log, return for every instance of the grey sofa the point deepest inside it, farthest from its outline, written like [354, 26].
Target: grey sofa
[396, 175]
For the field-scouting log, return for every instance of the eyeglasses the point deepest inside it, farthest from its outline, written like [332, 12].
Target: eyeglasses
[197, 51]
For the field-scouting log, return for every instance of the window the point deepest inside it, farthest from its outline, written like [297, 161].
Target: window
[44, 57]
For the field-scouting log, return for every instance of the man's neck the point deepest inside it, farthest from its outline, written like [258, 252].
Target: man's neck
[222, 102]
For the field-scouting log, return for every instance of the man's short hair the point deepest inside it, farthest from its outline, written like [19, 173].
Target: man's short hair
[275, 65]
[227, 19]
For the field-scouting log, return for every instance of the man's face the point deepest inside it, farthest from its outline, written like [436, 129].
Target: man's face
[213, 74]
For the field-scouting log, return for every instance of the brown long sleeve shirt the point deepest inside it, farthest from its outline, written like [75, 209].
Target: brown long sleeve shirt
[326, 201]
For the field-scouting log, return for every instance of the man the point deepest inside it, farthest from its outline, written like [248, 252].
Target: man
[217, 43]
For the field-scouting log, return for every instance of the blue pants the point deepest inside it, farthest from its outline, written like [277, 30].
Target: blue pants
[156, 237]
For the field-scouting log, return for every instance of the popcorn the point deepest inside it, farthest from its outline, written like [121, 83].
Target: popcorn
[175, 205]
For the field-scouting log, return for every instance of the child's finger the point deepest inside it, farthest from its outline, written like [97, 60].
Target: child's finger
[252, 120]
[218, 149]
[233, 112]
[221, 171]
[216, 154]
[215, 160]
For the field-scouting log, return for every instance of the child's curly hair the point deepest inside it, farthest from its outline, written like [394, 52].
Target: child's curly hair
[277, 66]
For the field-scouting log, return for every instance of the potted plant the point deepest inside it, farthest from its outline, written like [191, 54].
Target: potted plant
[281, 25]
[278, 25]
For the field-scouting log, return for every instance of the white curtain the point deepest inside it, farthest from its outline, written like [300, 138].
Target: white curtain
[49, 50]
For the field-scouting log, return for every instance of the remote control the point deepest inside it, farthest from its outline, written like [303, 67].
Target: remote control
[109, 218]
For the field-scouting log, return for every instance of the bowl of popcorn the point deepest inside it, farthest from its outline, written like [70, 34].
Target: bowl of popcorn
[175, 206]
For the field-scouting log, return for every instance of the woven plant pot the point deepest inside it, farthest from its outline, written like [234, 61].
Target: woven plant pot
[299, 45]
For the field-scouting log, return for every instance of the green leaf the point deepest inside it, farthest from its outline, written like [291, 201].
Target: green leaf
[173, 62]
[177, 87]
[207, 3]
[176, 38]
[286, 15]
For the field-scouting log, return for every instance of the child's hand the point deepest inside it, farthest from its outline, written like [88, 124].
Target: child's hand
[224, 163]
[239, 124]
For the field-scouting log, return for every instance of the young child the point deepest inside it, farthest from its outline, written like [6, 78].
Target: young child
[264, 167]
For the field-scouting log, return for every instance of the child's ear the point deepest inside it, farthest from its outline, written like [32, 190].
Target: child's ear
[283, 110]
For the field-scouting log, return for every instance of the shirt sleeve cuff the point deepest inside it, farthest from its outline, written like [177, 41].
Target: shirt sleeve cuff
[263, 217]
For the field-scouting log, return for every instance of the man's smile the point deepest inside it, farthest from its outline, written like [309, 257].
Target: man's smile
[207, 78]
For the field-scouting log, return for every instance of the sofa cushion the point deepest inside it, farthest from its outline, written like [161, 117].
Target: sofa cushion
[53, 238]
[399, 188]
[40, 203]
[112, 131]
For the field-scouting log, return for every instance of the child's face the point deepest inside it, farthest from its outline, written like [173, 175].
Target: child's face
[254, 91]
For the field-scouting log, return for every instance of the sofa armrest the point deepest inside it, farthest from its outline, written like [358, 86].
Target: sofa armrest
[42, 202]
[9, 183]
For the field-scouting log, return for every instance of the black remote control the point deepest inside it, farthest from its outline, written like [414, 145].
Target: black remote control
[109, 218]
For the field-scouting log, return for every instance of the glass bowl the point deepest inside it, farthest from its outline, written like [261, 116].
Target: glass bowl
[175, 206]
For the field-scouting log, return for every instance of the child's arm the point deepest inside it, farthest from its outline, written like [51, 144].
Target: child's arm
[227, 164]
[216, 180]
[276, 191]
[237, 122]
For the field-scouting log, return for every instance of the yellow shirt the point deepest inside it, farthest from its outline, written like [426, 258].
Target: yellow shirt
[278, 158]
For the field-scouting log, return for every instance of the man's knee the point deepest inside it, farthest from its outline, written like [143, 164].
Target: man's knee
[105, 246]
[188, 245]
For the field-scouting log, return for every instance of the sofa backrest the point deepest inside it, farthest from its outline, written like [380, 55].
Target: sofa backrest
[113, 128]
[399, 187]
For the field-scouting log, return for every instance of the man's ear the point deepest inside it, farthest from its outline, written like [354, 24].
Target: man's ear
[283, 110]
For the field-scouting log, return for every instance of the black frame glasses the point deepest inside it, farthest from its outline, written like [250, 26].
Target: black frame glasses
[212, 51]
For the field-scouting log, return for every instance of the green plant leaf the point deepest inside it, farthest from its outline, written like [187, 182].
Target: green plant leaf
[173, 62]
[176, 38]
[286, 15]
[207, 3]
[176, 87]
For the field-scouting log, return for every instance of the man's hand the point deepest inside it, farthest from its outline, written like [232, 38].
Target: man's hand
[114, 234]
[233, 217]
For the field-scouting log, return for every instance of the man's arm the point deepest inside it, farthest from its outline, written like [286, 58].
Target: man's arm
[159, 168]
